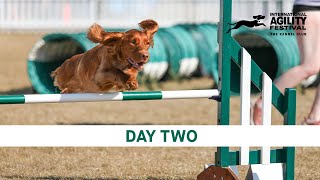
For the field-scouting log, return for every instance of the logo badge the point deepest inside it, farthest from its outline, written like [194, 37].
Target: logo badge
[250, 24]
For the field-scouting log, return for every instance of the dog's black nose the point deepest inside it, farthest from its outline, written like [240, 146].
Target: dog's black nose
[145, 56]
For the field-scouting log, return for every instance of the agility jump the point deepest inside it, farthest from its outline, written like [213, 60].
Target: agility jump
[230, 52]
[114, 96]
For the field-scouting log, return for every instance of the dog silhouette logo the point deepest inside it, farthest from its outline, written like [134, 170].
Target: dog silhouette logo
[250, 24]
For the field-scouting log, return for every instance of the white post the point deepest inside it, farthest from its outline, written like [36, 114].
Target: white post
[266, 113]
[245, 100]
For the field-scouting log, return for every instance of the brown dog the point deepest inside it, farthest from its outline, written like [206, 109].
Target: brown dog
[115, 62]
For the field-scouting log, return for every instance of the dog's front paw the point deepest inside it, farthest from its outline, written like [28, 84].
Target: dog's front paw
[131, 84]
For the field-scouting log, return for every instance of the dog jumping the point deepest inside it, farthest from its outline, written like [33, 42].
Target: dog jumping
[114, 62]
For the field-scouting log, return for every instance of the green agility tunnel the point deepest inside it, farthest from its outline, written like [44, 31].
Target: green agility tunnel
[205, 37]
[158, 65]
[181, 50]
[53, 49]
[49, 53]
[273, 54]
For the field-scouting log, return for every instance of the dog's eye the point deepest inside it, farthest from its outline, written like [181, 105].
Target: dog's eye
[148, 43]
[134, 41]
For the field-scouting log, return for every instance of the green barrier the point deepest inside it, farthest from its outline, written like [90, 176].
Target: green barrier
[273, 54]
[53, 49]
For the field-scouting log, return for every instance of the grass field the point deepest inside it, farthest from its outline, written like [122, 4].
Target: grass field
[116, 163]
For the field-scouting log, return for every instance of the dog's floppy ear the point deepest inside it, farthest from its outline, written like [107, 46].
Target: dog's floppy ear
[150, 27]
[97, 34]
[111, 38]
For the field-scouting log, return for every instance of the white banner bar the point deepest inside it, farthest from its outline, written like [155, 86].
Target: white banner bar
[156, 135]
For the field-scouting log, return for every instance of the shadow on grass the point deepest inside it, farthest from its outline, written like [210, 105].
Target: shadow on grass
[24, 90]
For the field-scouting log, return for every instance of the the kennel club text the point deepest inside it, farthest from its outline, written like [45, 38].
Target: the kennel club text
[163, 135]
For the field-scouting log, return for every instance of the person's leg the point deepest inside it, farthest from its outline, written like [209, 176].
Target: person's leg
[314, 115]
[309, 46]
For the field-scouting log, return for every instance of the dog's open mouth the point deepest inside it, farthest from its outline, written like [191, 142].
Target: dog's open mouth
[136, 65]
